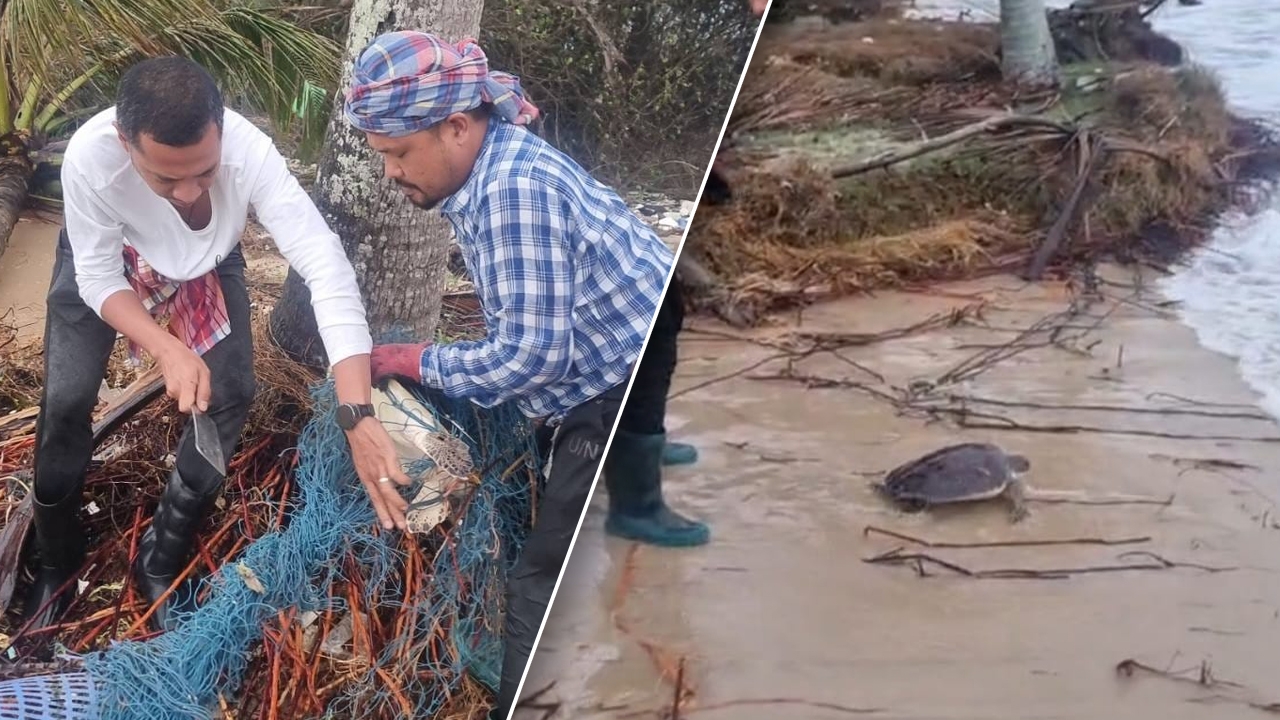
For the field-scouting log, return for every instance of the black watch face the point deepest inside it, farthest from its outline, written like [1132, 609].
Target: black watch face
[346, 417]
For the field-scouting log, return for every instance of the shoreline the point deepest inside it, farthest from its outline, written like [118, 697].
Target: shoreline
[781, 604]
[865, 164]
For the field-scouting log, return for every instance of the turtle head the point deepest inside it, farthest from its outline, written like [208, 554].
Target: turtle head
[1018, 463]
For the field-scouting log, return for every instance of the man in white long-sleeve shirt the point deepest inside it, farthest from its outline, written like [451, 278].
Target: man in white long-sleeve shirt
[157, 191]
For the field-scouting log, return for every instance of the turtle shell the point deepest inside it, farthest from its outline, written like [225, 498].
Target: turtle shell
[957, 473]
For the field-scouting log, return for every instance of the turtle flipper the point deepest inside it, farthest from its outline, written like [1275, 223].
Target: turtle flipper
[912, 505]
[1016, 493]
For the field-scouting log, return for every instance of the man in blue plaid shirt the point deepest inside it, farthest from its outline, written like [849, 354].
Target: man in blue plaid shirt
[568, 277]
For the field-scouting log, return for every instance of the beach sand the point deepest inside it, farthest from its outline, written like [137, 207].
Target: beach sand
[780, 617]
[25, 271]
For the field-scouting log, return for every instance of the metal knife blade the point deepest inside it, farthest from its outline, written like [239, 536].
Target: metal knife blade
[207, 442]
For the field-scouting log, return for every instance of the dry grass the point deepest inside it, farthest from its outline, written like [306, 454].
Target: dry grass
[1174, 155]
[22, 372]
[1181, 114]
[892, 51]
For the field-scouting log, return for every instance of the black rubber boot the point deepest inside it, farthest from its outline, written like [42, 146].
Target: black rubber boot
[165, 550]
[637, 511]
[60, 544]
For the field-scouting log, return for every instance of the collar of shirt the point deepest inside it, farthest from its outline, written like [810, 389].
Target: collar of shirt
[459, 202]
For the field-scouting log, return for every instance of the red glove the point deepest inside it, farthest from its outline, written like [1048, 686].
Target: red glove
[402, 360]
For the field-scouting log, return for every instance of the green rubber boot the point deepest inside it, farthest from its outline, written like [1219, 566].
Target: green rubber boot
[633, 477]
[674, 453]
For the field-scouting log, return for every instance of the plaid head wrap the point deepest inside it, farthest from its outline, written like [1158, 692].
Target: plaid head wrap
[406, 81]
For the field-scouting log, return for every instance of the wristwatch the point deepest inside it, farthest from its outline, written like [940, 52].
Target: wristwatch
[349, 414]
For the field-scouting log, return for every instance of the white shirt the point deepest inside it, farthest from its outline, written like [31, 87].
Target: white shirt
[107, 203]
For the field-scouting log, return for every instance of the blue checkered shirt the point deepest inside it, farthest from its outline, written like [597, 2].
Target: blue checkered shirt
[569, 279]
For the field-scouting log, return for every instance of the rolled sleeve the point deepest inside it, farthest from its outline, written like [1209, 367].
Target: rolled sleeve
[528, 279]
[315, 252]
[97, 241]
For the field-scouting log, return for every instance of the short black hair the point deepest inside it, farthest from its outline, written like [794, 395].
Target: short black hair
[172, 99]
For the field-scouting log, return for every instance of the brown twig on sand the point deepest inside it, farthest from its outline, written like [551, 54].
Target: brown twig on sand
[1203, 677]
[1199, 403]
[816, 382]
[1102, 501]
[918, 560]
[1051, 326]
[1204, 674]
[797, 702]
[678, 693]
[819, 342]
[1005, 543]
[827, 341]
[658, 655]
[722, 378]
[533, 701]
[979, 400]
[1171, 564]
[995, 422]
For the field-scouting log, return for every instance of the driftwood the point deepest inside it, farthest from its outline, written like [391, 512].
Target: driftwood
[972, 130]
[18, 526]
[1091, 155]
[18, 423]
[892, 158]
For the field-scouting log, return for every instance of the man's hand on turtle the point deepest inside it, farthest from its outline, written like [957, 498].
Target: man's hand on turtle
[398, 360]
[378, 466]
[758, 6]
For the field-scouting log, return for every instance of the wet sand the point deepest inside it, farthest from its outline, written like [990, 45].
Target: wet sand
[781, 605]
[25, 270]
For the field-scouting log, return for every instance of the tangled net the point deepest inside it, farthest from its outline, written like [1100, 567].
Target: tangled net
[420, 615]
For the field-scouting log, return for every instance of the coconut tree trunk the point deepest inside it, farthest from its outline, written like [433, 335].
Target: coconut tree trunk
[400, 253]
[15, 173]
[1026, 44]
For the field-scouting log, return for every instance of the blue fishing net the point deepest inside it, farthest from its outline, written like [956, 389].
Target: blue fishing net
[455, 616]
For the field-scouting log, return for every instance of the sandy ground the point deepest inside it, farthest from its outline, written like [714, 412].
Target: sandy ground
[25, 271]
[780, 617]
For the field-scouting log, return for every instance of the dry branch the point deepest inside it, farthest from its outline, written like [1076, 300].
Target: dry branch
[13, 538]
[1201, 676]
[1092, 155]
[927, 146]
[918, 560]
[870, 529]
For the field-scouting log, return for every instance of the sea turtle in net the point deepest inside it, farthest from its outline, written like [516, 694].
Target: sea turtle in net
[965, 472]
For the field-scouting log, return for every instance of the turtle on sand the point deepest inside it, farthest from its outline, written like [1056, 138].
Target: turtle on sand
[966, 472]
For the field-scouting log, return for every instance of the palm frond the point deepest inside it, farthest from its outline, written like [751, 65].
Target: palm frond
[275, 65]
[43, 35]
[303, 65]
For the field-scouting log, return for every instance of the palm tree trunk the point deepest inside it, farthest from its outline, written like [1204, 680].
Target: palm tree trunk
[400, 252]
[15, 173]
[1026, 43]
